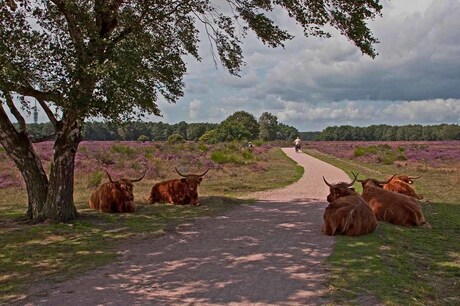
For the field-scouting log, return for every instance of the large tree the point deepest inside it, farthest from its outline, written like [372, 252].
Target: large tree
[114, 58]
[268, 126]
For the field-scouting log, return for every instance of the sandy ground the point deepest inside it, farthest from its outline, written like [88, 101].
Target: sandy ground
[269, 253]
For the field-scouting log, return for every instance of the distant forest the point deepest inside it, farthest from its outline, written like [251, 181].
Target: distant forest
[238, 126]
[384, 132]
[243, 126]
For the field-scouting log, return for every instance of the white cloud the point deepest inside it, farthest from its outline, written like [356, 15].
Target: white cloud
[195, 109]
[437, 110]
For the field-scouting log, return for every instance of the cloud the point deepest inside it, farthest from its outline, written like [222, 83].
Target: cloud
[195, 108]
[436, 111]
[363, 113]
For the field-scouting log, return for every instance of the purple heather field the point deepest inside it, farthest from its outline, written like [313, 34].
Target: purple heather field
[124, 159]
[127, 158]
[431, 153]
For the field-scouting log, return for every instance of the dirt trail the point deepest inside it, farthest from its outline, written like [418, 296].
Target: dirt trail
[269, 253]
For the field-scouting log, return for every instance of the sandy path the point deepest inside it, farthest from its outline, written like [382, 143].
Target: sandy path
[270, 253]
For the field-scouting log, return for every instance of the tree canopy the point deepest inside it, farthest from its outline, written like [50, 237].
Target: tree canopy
[115, 59]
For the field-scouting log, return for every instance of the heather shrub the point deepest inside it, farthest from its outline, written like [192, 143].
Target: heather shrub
[203, 147]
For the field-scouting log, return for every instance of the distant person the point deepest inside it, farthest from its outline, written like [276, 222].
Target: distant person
[249, 145]
[297, 142]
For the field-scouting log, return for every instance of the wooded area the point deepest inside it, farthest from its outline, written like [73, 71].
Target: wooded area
[385, 132]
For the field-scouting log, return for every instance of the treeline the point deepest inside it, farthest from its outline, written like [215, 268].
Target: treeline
[391, 133]
[239, 126]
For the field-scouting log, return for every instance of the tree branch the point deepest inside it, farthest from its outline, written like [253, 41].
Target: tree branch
[48, 112]
[74, 30]
[14, 111]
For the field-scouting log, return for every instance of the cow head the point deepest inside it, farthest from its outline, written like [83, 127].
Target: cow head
[125, 186]
[406, 178]
[374, 182]
[191, 182]
[340, 189]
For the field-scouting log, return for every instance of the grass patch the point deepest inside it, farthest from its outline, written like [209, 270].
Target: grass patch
[399, 265]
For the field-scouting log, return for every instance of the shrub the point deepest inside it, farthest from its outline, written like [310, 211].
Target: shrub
[175, 138]
[203, 147]
[143, 138]
[234, 157]
[121, 149]
[95, 179]
[361, 151]
[209, 137]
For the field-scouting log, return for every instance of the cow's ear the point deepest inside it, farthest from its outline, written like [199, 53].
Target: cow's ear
[183, 180]
[353, 188]
[200, 179]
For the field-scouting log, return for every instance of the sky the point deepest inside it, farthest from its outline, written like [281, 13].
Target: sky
[313, 83]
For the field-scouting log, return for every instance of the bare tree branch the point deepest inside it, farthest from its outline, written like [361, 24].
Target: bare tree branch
[14, 111]
[48, 112]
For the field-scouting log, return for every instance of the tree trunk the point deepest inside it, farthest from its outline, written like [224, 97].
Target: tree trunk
[18, 146]
[59, 206]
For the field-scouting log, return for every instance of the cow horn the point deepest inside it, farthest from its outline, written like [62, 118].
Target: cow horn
[386, 182]
[179, 172]
[354, 179]
[416, 177]
[110, 178]
[357, 177]
[327, 182]
[204, 172]
[139, 179]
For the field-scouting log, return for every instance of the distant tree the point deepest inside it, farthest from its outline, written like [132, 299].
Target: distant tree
[286, 132]
[268, 126]
[113, 59]
[196, 130]
[240, 125]
[181, 129]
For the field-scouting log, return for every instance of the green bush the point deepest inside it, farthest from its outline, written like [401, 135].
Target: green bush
[203, 147]
[361, 151]
[234, 157]
[143, 138]
[95, 179]
[209, 137]
[122, 149]
[175, 138]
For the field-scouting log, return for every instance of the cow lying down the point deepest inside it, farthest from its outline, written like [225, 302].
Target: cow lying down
[115, 196]
[178, 191]
[403, 184]
[347, 213]
[390, 206]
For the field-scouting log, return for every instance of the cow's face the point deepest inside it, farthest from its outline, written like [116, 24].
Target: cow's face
[339, 190]
[191, 183]
[126, 188]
